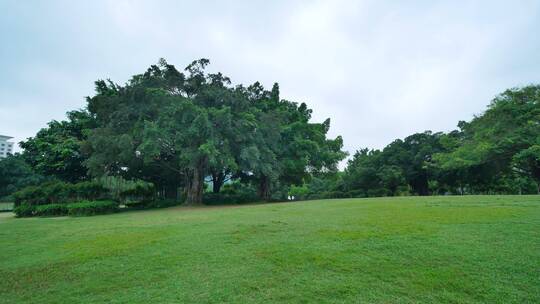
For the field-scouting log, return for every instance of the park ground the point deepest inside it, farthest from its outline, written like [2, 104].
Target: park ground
[470, 249]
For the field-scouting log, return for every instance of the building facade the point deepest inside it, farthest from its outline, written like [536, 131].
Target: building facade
[6, 147]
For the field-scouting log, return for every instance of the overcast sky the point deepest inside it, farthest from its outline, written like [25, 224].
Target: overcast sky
[379, 69]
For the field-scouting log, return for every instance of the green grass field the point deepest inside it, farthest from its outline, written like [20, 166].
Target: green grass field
[475, 249]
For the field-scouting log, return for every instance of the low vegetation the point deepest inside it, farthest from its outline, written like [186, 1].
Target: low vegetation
[468, 249]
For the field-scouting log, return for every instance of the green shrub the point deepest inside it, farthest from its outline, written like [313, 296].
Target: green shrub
[51, 210]
[85, 208]
[30, 195]
[47, 193]
[57, 192]
[299, 192]
[24, 210]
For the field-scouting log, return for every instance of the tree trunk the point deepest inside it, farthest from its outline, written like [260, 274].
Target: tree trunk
[264, 188]
[218, 179]
[195, 186]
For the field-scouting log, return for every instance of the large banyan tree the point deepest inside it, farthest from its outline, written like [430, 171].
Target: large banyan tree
[175, 129]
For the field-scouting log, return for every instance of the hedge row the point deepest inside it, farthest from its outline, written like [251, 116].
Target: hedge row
[82, 208]
[57, 192]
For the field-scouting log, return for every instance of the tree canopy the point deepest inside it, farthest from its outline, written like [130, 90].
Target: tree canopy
[496, 152]
[184, 130]
[177, 128]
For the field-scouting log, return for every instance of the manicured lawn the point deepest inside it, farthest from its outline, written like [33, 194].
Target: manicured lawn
[475, 249]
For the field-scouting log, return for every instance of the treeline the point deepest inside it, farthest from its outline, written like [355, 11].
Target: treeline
[194, 137]
[181, 131]
[497, 152]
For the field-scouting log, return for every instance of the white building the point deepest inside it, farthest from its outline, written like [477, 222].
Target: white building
[5, 146]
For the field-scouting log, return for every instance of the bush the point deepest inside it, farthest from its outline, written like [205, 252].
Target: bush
[30, 196]
[47, 193]
[85, 208]
[299, 192]
[24, 210]
[57, 192]
[51, 210]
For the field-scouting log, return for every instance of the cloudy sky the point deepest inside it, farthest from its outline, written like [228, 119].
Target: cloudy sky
[379, 69]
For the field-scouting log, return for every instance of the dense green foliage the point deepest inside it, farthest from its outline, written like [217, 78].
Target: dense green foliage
[402, 167]
[81, 208]
[55, 192]
[496, 152]
[47, 210]
[85, 198]
[15, 174]
[470, 249]
[175, 129]
[56, 150]
[185, 135]
[24, 210]
[84, 208]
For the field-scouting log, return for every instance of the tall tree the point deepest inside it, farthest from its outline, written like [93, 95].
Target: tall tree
[176, 129]
[289, 148]
[498, 141]
[122, 113]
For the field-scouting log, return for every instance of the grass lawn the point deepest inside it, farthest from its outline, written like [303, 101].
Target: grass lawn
[472, 249]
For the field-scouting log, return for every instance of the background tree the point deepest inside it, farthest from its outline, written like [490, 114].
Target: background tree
[56, 150]
[403, 164]
[493, 144]
[16, 174]
[289, 148]
[527, 163]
